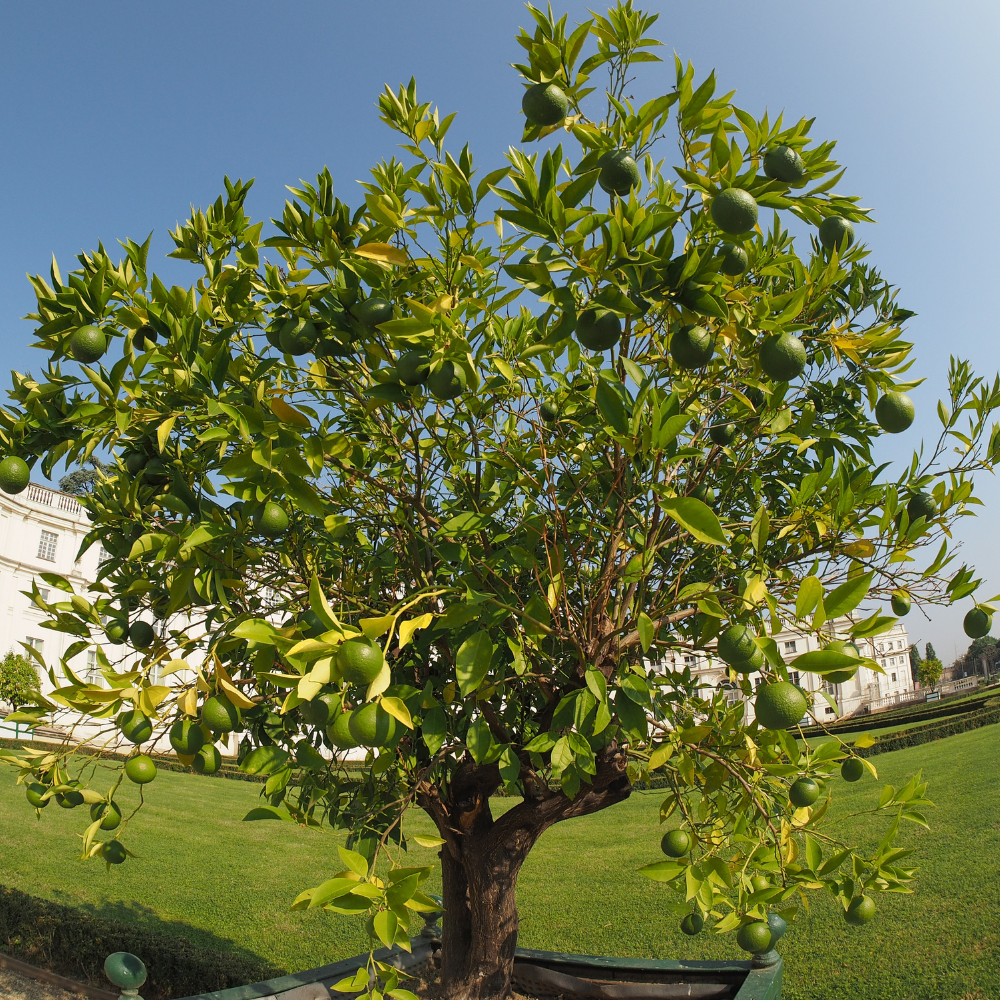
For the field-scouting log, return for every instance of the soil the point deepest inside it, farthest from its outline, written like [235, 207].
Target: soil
[17, 987]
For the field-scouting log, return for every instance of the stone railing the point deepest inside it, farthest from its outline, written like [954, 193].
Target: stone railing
[52, 498]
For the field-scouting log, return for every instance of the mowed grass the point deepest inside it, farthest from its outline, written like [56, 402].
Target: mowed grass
[208, 876]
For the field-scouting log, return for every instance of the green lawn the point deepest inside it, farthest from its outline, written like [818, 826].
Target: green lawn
[210, 877]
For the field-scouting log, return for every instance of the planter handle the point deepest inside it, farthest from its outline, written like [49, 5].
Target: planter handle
[127, 973]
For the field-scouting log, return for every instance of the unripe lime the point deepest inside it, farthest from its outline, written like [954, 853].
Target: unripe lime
[779, 705]
[921, 505]
[783, 357]
[692, 347]
[619, 173]
[140, 769]
[14, 474]
[734, 211]
[733, 259]
[598, 329]
[544, 104]
[835, 231]
[755, 936]
[207, 760]
[676, 843]
[804, 792]
[297, 336]
[155, 472]
[220, 714]
[692, 924]
[860, 911]
[722, 434]
[894, 412]
[116, 631]
[271, 521]
[704, 493]
[372, 311]
[70, 799]
[753, 662]
[781, 163]
[372, 726]
[88, 344]
[186, 737]
[144, 338]
[413, 368]
[141, 634]
[135, 726]
[900, 603]
[978, 623]
[321, 710]
[448, 381]
[135, 462]
[736, 643]
[759, 883]
[360, 660]
[108, 813]
[852, 769]
[34, 793]
[340, 732]
[113, 852]
[548, 410]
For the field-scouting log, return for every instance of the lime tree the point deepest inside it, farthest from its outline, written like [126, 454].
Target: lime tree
[437, 476]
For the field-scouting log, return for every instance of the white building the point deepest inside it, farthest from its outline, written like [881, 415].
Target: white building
[890, 650]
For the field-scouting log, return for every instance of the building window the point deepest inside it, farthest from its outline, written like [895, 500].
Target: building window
[689, 661]
[93, 670]
[757, 683]
[103, 556]
[790, 646]
[829, 711]
[43, 593]
[894, 677]
[899, 645]
[794, 677]
[36, 644]
[47, 546]
[881, 647]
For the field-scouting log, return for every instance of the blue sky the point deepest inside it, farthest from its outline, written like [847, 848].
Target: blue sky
[117, 117]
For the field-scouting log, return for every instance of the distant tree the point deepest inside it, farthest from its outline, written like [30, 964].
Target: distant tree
[82, 480]
[978, 648]
[929, 653]
[915, 660]
[931, 669]
[18, 680]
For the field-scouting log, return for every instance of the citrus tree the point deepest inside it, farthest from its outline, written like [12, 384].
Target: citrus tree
[439, 483]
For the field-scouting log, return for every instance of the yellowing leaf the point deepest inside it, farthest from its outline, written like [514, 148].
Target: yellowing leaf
[381, 252]
[374, 627]
[407, 628]
[861, 549]
[174, 666]
[188, 702]
[425, 841]
[236, 696]
[163, 431]
[398, 710]
[288, 414]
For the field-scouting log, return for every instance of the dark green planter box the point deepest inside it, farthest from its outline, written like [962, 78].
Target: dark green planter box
[706, 980]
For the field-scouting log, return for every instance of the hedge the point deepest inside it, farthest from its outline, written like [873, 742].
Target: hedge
[75, 943]
[928, 734]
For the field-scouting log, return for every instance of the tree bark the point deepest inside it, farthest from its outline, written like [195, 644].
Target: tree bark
[481, 859]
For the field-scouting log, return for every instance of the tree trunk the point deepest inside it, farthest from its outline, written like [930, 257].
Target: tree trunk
[480, 862]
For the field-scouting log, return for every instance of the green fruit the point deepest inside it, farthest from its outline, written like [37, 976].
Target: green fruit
[116, 631]
[331, 347]
[307, 756]
[722, 434]
[220, 714]
[88, 344]
[360, 661]
[108, 813]
[135, 726]
[297, 336]
[273, 334]
[448, 381]
[548, 409]
[782, 163]
[852, 769]
[759, 883]
[803, 792]
[894, 412]
[413, 368]
[734, 211]
[619, 173]
[676, 843]
[144, 338]
[692, 924]
[34, 793]
[135, 462]
[978, 623]
[544, 104]
[900, 603]
[113, 852]
[271, 520]
[840, 676]
[598, 329]
[921, 505]
[70, 799]
[780, 705]
[141, 634]
[372, 726]
[340, 732]
[733, 260]
[755, 936]
[753, 662]
[207, 760]
[186, 737]
[836, 232]
[756, 397]
[692, 347]
[703, 493]
[155, 473]
[373, 311]
[783, 357]
[140, 769]
[14, 475]
[736, 644]
[860, 911]
[321, 710]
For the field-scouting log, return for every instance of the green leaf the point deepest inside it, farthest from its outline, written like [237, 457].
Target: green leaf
[434, 729]
[472, 662]
[611, 406]
[810, 594]
[697, 518]
[479, 739]
[268, 812]
[356, 862]
[844, 599]
[663, 871]
[647, 632]
[760, 529]
[464, 524]
[822, 661]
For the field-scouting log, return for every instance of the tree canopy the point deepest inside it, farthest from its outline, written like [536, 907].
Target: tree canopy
[453, 472]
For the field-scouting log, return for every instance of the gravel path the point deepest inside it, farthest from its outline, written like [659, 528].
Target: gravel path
[17, 987]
